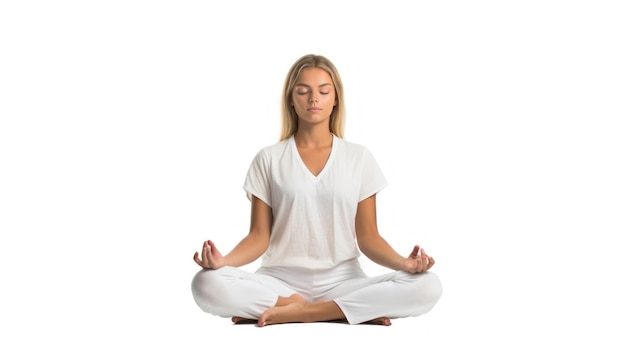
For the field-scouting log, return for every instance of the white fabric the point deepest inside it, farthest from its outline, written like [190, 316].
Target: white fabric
[230, 291]
[313, 215]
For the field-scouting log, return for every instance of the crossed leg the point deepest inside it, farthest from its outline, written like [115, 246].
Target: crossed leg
[297, 309]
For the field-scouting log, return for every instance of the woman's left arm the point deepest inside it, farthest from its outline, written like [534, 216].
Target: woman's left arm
[377, 249]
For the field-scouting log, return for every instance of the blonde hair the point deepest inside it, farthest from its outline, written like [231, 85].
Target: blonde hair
[289, 116]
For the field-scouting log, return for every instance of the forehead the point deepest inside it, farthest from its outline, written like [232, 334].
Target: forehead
[314, 76]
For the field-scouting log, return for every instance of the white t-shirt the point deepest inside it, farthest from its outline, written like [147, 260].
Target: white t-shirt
[314, 216]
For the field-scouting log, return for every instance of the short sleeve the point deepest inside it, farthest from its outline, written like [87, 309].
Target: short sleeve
[257, 181]
[373, 179]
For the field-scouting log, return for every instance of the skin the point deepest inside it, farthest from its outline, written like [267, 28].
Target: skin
[313, 98]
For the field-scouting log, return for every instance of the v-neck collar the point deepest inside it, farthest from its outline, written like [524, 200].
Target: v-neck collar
[303, 165]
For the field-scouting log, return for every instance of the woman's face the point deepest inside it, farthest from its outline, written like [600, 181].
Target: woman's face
[313, 96]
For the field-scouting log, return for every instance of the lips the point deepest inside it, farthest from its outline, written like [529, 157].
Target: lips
[314, 109]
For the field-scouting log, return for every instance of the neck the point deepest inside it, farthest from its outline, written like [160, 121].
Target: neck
[313, 138]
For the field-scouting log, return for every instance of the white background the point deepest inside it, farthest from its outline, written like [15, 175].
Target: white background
[126, 129]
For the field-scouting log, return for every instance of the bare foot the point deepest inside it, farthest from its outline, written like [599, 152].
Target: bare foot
[241, 320]
[282, 301]
[302, 312]
[379, 321]
[293, 312]
[297, 309]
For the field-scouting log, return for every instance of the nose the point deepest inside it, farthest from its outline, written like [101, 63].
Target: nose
[313, 98]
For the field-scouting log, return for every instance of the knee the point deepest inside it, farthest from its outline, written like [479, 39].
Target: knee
[428, 290]
[431, 286]
[204, 289]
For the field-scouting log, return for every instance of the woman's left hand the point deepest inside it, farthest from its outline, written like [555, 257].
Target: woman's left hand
[418, 261]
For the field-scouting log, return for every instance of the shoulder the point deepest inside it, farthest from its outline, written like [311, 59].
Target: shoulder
[273, 150]
[352, 148]
[276, 147]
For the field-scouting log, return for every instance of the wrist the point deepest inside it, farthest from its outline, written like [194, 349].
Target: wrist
[400, 264]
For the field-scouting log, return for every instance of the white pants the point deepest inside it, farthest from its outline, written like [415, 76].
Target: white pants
[229, 291]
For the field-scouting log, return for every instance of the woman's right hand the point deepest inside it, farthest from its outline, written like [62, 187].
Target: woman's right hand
[210, 258]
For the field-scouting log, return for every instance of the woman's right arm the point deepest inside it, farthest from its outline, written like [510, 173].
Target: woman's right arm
[256, 242]
[249, 248]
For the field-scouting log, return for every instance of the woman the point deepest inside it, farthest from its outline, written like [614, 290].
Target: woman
[312, 195]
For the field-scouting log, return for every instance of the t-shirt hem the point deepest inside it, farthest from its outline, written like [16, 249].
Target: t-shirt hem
[251, 192]
[373, 192]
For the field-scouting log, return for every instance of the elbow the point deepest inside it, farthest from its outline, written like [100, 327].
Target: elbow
[364, 247]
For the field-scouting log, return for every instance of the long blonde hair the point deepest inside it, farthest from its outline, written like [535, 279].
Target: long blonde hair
[289, 116]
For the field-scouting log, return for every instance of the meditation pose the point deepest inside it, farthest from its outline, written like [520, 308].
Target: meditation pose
[313, 212]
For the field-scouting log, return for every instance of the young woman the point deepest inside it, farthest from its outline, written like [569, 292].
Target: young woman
[313, 197]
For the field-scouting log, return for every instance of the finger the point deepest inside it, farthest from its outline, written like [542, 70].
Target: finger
[431, 261]
[206, 254]
[415, 252]
[419, 265]
[195, 258]
[209, 260]
[212, 249]
[423, 260]
[427, 259]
